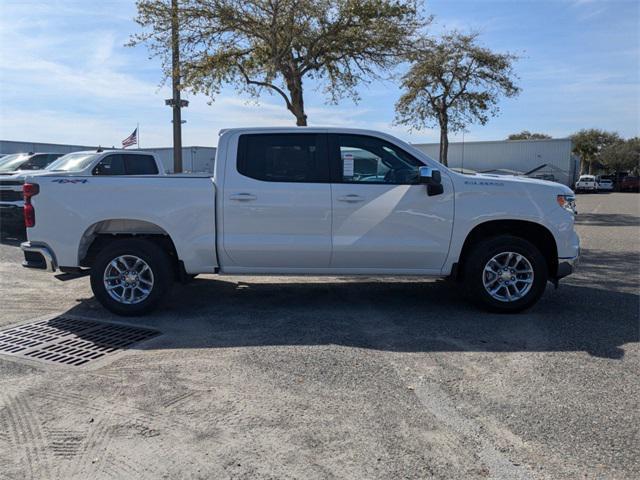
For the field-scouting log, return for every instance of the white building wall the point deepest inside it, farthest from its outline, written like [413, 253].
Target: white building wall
[517, 155]
[8, 146]
[194, 159]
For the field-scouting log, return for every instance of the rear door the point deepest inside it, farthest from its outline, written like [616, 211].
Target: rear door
[277, 202]
[383, 218]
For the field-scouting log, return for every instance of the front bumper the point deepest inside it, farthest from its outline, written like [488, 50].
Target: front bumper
[566, 266]
[38, 256]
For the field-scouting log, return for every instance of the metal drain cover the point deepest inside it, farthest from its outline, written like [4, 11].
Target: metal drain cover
[70, 341]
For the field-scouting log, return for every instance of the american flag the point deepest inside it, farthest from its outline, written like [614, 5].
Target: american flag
[131, 139]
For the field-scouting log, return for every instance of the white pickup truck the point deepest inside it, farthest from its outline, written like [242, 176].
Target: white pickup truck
[300, 201]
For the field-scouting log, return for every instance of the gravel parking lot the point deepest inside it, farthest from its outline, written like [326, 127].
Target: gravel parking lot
[264, 377]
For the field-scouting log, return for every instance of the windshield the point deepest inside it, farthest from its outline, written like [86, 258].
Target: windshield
[72, 162]
[12, 162]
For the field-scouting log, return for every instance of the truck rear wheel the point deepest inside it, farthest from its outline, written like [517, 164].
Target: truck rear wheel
[505, 274]
[130, 277]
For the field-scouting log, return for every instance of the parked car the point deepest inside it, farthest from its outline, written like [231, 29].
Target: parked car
[26, 161]
[292, 201]
[587, 183]
[630, 184]
[87, 163]
[605, 185]
[11, 188]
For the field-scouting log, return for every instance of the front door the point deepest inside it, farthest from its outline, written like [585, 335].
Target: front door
[277, 202]
[382, 216]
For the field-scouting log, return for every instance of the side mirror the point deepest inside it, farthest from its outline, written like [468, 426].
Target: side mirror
[432, 179]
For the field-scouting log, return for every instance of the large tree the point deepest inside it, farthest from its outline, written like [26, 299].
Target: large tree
[274, 45]
[453, 82]
[622, 156]
[588, 143]
[527, 135]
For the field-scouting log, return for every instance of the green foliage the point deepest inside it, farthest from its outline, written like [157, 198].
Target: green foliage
[527, 135]
[452, 83]
[622, 156]
[588, 144]
[273, 45]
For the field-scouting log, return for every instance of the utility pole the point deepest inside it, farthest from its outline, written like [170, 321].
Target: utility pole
[176, 103]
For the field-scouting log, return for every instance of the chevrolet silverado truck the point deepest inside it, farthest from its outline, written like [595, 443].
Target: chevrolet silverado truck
[304, 201]
[87, 163]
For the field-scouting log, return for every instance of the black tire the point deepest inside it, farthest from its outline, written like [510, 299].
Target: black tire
[158, 262]
[482, 252]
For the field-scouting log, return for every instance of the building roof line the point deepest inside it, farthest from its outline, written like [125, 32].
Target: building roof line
[537, 140]
[93, 147]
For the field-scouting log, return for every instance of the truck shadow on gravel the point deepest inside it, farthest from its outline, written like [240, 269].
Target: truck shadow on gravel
[401, 315]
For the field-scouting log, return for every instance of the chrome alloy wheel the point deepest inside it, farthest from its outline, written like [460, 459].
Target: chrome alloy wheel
[128, 279]
[508, 276]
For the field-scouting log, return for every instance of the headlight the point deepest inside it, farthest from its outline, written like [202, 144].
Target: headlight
[568, 202]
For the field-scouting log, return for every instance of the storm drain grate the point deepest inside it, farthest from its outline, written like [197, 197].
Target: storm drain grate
[70, 341]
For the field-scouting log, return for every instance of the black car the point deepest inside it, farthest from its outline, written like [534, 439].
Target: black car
[13, 168]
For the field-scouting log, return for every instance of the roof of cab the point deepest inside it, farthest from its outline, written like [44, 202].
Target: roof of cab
[111, 150]
[298, 130]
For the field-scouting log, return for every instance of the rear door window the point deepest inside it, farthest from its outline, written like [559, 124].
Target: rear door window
[136, 164]
[284, 157]
[123, 164]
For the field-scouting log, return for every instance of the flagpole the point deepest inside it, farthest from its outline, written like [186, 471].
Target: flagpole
[138, 132]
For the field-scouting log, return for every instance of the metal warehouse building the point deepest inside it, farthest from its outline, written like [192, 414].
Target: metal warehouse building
[552, 158]
[194, 159]
[549, 159]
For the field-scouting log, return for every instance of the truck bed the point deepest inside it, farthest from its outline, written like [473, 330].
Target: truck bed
[71, 211]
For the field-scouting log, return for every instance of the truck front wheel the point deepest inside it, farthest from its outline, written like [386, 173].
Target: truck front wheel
[131, 276]
[505, 274]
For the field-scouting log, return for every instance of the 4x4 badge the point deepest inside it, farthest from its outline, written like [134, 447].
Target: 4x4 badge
[70, 180]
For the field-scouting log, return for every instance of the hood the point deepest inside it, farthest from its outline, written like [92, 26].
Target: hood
[20, 174]
[519, 180]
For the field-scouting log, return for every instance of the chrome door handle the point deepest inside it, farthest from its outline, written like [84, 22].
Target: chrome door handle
[242, 197]
[351, 198]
